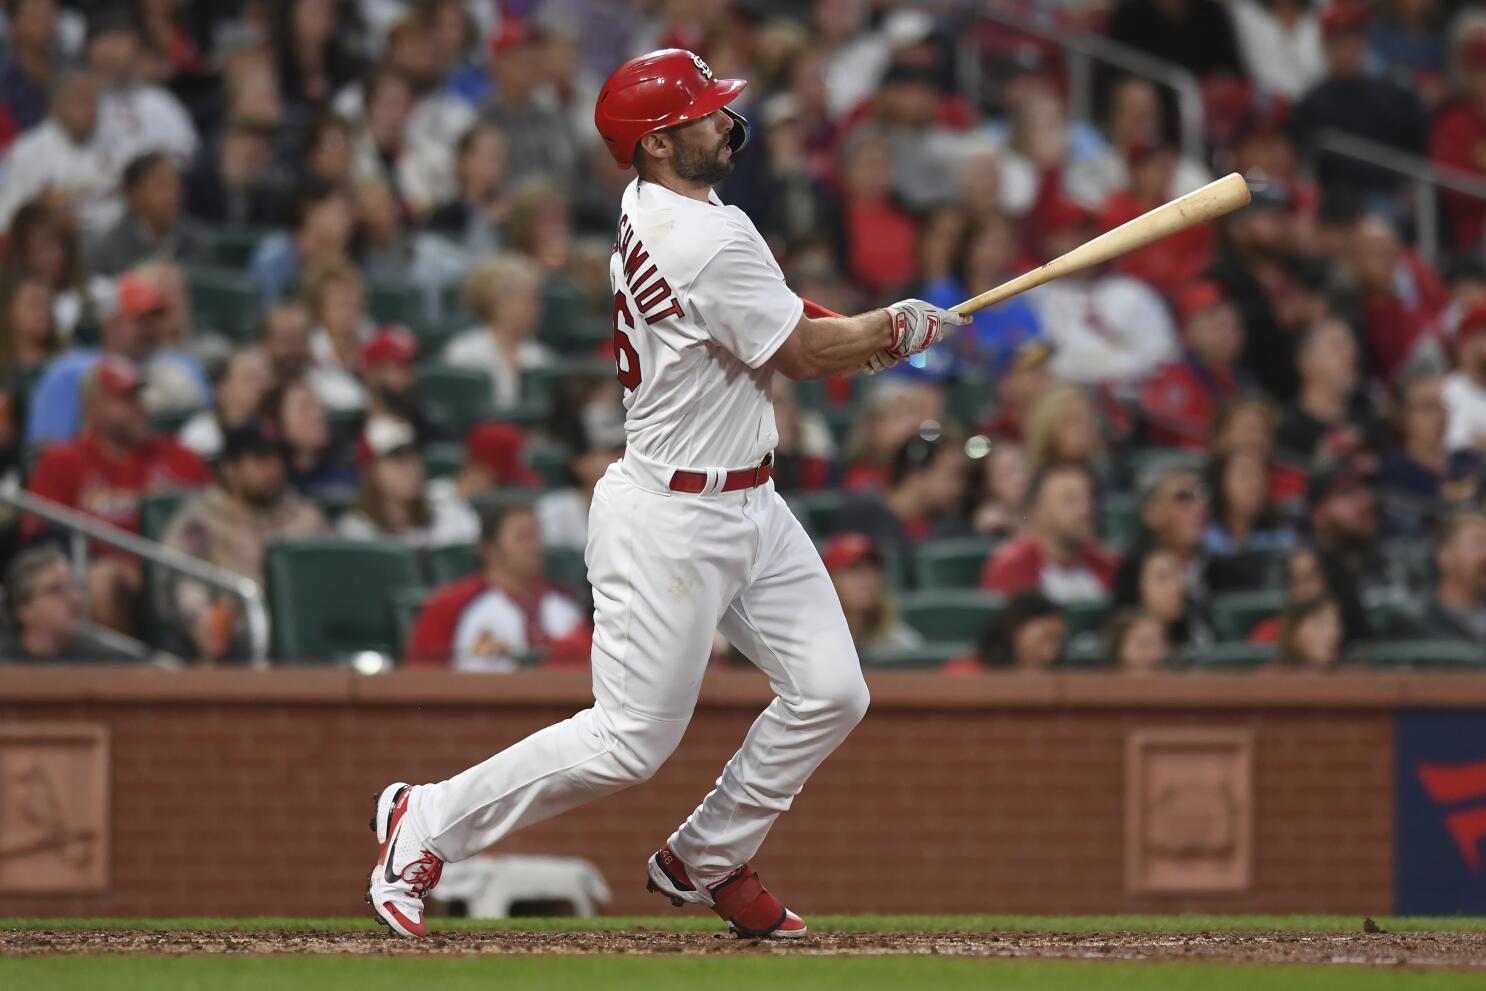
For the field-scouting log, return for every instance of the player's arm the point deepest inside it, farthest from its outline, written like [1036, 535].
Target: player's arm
[824, 346]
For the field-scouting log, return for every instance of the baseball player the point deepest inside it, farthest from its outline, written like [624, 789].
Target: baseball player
[687, 535]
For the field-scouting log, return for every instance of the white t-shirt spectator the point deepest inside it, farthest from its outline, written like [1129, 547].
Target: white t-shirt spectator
[1107, 329]
[1282, 61]
[1465, 405]
[495, 630]
[337, 386]
[84, 177]
[476, 348]
[134, 120]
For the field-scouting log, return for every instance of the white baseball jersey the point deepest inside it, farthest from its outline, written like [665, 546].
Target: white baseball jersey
[700, 306]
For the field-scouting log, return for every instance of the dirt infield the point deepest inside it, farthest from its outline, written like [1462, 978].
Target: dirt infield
[1453, 950]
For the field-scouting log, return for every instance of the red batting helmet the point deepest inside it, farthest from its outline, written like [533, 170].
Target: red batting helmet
[660, 90]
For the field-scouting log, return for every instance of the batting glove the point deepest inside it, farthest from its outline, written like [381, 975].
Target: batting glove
[917, 326]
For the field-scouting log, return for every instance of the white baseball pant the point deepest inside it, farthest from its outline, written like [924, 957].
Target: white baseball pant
[668, 570]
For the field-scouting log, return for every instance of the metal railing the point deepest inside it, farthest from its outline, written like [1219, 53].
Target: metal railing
[1082, 50]
[1426, 178]
[81, 529]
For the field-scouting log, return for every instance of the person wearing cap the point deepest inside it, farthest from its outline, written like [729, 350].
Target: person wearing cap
[488, 622]
[927, 484]
[1346, 524]
[65, 158]
[133, 331]
[153, 225]
[134, 116]
[1331, 417]
[393, 503]
[494, 460]
[595, 442]
[1104, 327]
[504, 292]
[856, 569]
[387, 366]
[1460, 133]
[1181, 398]
[541, 142]
[1056, 551]
[230, 525]
[1465, 387]
[105, 474]
[337, 303]
[1455, 608]
[1353, 102]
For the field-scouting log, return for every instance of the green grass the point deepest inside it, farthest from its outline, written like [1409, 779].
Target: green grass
[825, 923]
[215, 973]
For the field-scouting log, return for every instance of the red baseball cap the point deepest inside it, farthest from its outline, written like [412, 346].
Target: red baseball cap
[117, 376]
[138, 295]
[1472, 322]
[498, 448]
[849, 550]
[1343, 17]
[1196, 297]
[390, 345]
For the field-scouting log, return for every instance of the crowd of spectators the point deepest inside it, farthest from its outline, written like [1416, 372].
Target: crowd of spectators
[408, 214]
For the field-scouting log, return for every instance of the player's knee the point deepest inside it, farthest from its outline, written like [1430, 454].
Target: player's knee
[645, 746]
[846, 701]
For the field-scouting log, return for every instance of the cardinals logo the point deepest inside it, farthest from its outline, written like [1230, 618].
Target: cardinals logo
[702, 67]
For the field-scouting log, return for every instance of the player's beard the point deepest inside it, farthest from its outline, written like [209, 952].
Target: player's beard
[702, 164]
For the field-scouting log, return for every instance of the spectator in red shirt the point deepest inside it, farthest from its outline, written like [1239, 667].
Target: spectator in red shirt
[881, 239]
[489, 621]
[1173, 261]
[1459, 140]
[106, 472]
[1057, 554]
[1181, 398]
[1398, 297]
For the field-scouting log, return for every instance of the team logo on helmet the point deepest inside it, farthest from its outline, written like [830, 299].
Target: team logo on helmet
[702, 67]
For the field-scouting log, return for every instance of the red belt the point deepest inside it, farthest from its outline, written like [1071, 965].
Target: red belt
[695, 482]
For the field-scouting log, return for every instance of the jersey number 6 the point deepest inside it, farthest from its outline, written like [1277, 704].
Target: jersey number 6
[626, 358]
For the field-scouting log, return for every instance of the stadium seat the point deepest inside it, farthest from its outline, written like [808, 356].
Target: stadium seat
[332, 597]
[817, 510]
[442, 460]
[234, 247]
[456, 398]
[951, 614]
[953, 562]
[1119, 521]
[565, 566]
[1086, 617]
[336, 502]
[551, 460]
[931, 656]
[407, 603]
[392, 301]
[158, 508]
[1085, 653]
[1235, 614]
[453, 562]
[1233, 656]
[225, 300]
[434, 334]
[1426, 654]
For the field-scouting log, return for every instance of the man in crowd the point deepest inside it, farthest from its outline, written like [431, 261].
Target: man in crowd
[134, 116]
[46, 606]
[391, 377]
[1346, 522]
[29, 69]
[487, 622]
[285, 340]
[928, 479]
[1327, 420]
[107, 472]
[1456, 609]
[64, 158]
[1180, 400]
[322, 236]
[152, 226]
[1173, 516]
[1459, 134]
[230, 525]
[1057, 553]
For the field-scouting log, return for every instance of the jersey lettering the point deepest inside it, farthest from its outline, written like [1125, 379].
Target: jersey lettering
[654, 300]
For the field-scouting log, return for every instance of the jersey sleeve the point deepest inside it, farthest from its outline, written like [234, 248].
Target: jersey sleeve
[742, 299]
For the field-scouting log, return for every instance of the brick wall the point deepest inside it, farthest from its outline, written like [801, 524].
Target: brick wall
[248, 794]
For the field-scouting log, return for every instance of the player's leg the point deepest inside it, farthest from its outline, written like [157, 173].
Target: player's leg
[658, 592]
[788, 621]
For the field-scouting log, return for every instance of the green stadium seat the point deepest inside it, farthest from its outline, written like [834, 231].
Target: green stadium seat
[951, 614]
[455, 398]
[1086, 617]
[336, 502]
[955, 562]
[1235, 614]
[434, 334]
[157, 509]
[407, 603]
[333, 597]
[234, 247]
[551, 460]
[930, 656]
[1426, 654]
[443, 460]
[1233, 656]
[345, 424]
[1085, 653]
[817, 510]
[393, 301]
[565, 566]
[225, 300]
[453, 562]
[1119, 521]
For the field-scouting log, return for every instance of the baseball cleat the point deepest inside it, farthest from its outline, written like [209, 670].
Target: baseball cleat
[740, 898]
[405, 871]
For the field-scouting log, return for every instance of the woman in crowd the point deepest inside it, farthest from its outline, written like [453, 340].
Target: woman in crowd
[317, 466]
[1243, 524]
[1413, 473]
[43, 242]
[1249, 424]
[1137, 642]
[1002, 488]
[1062, 426]
[1308, 578]
[889, 415]
[855, 567]
[504, 292]
[391, 504]
[238, 393]
[1028, 635]
[1157, 589]
[337, 304]
[28, 335]
[1310, 636]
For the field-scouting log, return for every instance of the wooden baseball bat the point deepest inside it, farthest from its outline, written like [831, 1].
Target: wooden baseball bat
[1199, 206]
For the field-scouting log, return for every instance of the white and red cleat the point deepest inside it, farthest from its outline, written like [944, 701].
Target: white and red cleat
[740, 898]
[405, 871]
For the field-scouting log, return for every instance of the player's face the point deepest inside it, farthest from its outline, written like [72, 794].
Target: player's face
[701, 152]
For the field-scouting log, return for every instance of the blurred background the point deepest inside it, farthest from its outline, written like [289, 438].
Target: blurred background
[308, 361]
